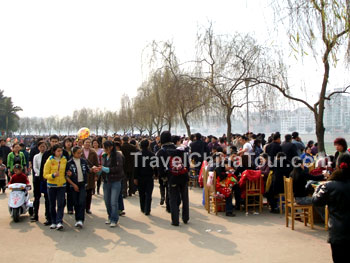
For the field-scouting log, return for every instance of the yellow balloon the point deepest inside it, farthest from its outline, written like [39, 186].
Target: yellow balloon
[83, 133]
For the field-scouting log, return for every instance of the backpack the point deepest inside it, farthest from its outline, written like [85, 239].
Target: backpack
[176, 166]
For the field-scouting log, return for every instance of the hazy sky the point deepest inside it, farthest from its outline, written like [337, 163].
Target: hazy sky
[57, 56]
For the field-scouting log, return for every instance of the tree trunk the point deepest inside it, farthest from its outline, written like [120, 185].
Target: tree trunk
[169, 125]
[320, 133]
[320, 130]
[188, 127]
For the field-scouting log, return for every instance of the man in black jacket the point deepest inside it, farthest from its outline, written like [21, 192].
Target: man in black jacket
[143, 174]
[177, 183]
[198, 149]
[281, 168]
[34, 151]
[4, 151]
[275, 147]
[154, 145]
[289, 148]
[128, 150]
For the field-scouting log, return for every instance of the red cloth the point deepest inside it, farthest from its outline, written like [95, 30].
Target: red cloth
[19, 179]
[319, 171]
[250, 175]
[200, 177]
[225, 187]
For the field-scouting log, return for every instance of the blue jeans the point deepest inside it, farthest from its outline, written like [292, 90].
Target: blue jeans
[111, 191]
[56, 195]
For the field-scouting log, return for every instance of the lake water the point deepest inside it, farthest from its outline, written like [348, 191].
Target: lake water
[329, 139]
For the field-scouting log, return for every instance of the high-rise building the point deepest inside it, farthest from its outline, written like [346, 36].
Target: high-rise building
[336, 117]
[337, 111]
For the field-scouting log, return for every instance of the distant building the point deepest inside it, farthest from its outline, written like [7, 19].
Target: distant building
[301, 120]
[336, 117]
[337, 113]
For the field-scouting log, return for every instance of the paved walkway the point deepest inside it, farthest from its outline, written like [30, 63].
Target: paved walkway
[207, 238]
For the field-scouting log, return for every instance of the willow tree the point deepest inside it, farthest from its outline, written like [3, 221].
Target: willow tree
[226, 62]
[96, 119]
[319, 26]
[126, 117]
[185, 93]
[144, 109]
[158, 88]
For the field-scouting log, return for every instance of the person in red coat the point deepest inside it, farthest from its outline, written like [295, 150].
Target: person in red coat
[19, 177]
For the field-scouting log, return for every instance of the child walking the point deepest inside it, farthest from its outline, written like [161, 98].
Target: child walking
[76, 175]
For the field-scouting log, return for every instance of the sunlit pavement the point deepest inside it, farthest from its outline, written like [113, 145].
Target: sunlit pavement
[207, 238]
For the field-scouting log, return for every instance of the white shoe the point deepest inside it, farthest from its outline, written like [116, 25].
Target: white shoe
[53, 226]
[79, 224]
[108, 222]
[59, 226]
[113, 224]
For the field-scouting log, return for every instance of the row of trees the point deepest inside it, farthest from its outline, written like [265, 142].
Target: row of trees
[97, 120]
[9, 120]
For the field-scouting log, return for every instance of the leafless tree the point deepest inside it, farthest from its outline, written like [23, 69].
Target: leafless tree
[226, 62]
[322, 26]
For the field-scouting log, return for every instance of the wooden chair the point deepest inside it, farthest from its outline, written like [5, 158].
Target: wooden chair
[254, 190]
[306, 210]
[214, 203]
[193, 179]
[193, 176]
[282, 202]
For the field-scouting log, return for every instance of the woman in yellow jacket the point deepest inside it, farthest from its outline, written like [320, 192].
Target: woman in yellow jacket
[54, 173]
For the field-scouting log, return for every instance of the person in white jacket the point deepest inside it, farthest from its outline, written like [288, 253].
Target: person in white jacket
[36, 180]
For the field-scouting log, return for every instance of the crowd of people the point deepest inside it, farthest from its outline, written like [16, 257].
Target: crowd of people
[68, 171]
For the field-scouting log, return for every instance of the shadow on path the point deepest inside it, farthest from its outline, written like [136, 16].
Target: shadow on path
[198, 231]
